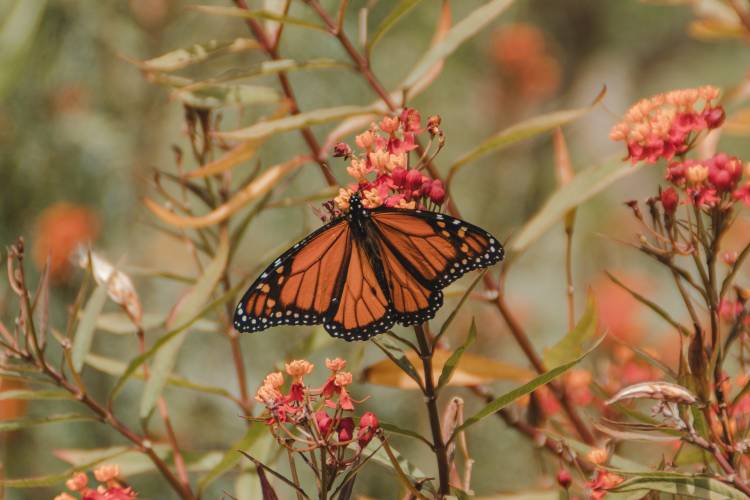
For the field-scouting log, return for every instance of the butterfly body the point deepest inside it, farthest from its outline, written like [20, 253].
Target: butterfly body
[365, 271]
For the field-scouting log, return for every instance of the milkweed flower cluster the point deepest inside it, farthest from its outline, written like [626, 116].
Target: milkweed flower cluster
[111, 487]
[381, 168]
[305, 418]
[665, 125]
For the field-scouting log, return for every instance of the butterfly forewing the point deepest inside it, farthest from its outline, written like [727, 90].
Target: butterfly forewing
[297, 288]
[436, 248]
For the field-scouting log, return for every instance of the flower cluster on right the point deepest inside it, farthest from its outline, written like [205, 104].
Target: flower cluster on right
[668, 126]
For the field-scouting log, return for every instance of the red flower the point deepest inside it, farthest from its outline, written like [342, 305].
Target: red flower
[669, 200]
[345, 429]
[368, 425]
[411, 120]
[603, 482]
[324, 421]
[413, 180]
[564, 479]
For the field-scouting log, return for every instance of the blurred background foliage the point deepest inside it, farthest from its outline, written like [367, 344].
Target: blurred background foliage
[80, 130]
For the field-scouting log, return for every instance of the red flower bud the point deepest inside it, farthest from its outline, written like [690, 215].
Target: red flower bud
[413, 180]
[714, 117]
[564, 479]
[368, 425]
[324, 422]
[398, 176]
[342, 150]
[426, 186]
[669, 200]
[437, 192]
[346, 429]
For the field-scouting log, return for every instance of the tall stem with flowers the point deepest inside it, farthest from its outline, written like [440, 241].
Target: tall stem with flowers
[683, 229]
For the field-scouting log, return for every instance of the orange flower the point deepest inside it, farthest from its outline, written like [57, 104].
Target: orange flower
[59, 230]
[343, 379]
[64, 496]
[275, 379]
[106, 472]
[77, 482]
[335, 364]
[597, 456]
[299, 368]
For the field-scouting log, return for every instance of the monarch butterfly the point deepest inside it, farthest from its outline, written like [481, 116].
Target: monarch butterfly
[366, 270]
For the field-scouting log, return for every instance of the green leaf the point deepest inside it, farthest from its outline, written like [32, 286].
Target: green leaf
[399, 11]
[60, 477]
[458, 34]
[414, 473]
[452, 362]
[257, 14]
[519, 132]
[454, 312]
[182, 58]
[219, 96]
[397, 355]
[117, 368]
[294, 122]
[130, 460]
[120, 323]
[394, 429]
[183, 314]
[682, 485]
[23, 423]
[272, 67]
[584, 186]
[232, 456]
[17, 31]
[85, 332]
[35, 395]
[502, 401]
[571, 346]
[138, 361]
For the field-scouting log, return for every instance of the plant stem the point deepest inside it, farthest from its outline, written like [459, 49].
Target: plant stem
[570, 291]
[431, 394]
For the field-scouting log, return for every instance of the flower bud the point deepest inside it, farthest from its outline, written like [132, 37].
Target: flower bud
[365, 139]
[398, 175]
[697, 174]
[437, 192]
[669, 200]
[714, 117]
[106, 473]
[346, 429]
[324, 422]
[368, 425]
[564, 479]
[426, 186]
[342, 150]
[433, 124]
[335, 364]
[77, 482]
[729, 257]
[414, 180]
[389, 124]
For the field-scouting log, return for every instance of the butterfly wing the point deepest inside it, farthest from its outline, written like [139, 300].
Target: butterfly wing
[423, 252]
[363, 309]
[299, 287]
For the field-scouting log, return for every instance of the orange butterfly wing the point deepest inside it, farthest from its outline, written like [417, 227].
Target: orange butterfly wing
[299, 287]
[423, 252]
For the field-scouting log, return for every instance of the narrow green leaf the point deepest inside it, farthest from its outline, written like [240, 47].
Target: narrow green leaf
[130, 461]
[414, 474]
[502, 401]
[23, 423]
[183, 313]
[394, 429]
[60, 477]
[450, 365]
[572, 344]
[33, 395]
[399, 11]
[683, 485]
[138, 361]
[220, 96]
[256, 14]
[182, 58]
[85, 332]
[19, 26]
[397, 355]
[232, 456]
[458, 34]
[519, 132]
[454, 312]
[294, 122]
[117, 368]
[272, 67]
[584, 186]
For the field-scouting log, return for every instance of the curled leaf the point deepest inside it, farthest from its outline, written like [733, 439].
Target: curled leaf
[238, 154]
[120, 287]
[255, 189]
[665, 391]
